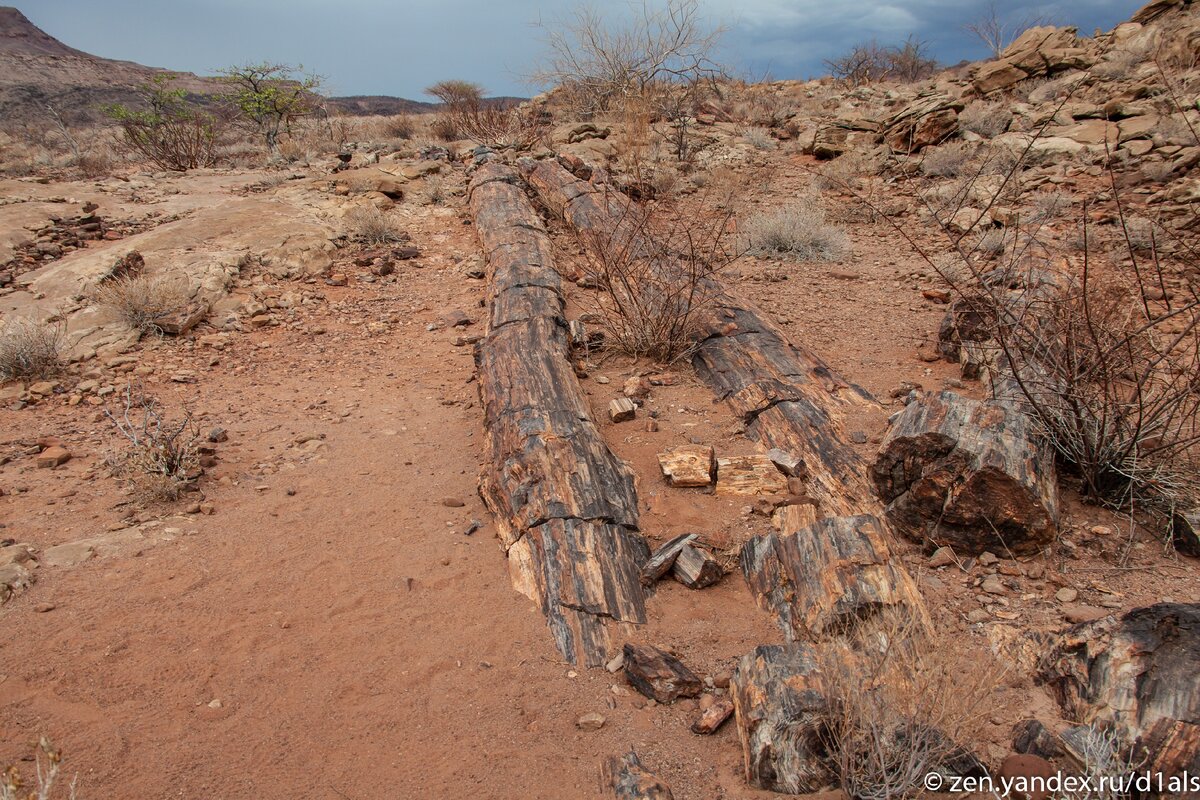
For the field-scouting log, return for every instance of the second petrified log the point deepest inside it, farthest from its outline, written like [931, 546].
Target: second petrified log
[969, 474]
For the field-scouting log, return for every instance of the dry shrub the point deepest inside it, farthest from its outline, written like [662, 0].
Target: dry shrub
[870, 62]
[946, 161]
[902, 704]
[799, 229]
[139, 300]
[372, 226]
[1049, 206]
[759, 138]
[161, 460]
[47, 761]
[445, 128]
[656, 268]
[402, 126]
[30, 350]
[985, 119]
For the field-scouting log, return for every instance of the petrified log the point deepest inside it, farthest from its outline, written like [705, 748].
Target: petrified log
[662, 559]
[827, 576]
[626, 779]
[689, 465]
[1139, 674]
[696, 568]
[780, 708]
[566, 507]
[969, 474]
[658, 674]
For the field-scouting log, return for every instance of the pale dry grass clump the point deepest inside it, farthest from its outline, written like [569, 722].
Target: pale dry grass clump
[759, 138]
[372, 226]
[902, 703]
[139, 300]
[30, 350]
[986, 119]
[946, 161]
[800, 229]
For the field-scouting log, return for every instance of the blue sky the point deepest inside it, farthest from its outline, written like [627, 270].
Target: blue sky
[397, 47]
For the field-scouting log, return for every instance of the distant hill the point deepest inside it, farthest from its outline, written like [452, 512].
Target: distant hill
[37, 70]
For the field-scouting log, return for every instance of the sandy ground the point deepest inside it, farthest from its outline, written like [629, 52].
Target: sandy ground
[331, 632]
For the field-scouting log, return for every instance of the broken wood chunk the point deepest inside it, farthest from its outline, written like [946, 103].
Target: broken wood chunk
[780, 709]
[1185, 532]
[1138, 675]
[788, 463]
[689, 465]
[662, 559]
[622, 409]
[626, 779]
[696, 568]
[970, 474]
[828, 576]
[182, 319]
[658, 674]
[749, 476]
[713, 717]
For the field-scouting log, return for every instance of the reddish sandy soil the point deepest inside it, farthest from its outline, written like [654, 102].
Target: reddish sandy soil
[330, 632]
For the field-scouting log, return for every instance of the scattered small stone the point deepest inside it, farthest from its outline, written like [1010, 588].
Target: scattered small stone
[452, 502]
[858, 437]
[622, 409]
[942, 557]
[590, 721]
[53, 456]
[43, 608]
[1079, 614]
[993, 585]
[1066, 595]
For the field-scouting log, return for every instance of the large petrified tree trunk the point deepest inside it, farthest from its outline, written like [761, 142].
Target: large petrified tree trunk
[566, 506]
[1140, 674]
[969, 474]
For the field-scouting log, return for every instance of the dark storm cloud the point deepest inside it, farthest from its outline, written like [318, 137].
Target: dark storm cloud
[399, 47]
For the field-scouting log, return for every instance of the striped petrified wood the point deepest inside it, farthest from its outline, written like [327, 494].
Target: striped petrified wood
[566, 506]
[827, 568]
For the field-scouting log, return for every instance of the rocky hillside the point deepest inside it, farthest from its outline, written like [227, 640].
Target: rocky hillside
[37, 70]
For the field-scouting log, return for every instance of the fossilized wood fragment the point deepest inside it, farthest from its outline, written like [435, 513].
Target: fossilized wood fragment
[625, 778]
[969, 474]
[689, 465]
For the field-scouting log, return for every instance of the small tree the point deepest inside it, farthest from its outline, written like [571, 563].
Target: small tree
[996, 33]
[492, 123]
[603, 65]
[871, 62]
[269, 98]
[172, 133]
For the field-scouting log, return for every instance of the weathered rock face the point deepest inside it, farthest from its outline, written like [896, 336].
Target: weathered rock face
[1139, 673]
[968, 474]
[1038, 51]
[929, 120]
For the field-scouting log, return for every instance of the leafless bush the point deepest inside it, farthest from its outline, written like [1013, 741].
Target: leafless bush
[799, 229]
[947, 160]
[444, 127]
[139, 300]
[162, 456]
[655, 268]
[1105, 758]
[30, 350]
[871, 62]
[47, 761]
[1049, 206]
[984, 118]
[992, 243]
[900, 705]
[402, 126]
[495, 124]
[372, 226]
[997, 33]
[600, 65]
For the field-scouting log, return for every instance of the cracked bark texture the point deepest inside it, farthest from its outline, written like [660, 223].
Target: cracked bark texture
[566, 507]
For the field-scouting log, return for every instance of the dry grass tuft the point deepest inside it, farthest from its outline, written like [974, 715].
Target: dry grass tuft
[372, 226]
[799, 229]
[141, 299]
[901, 704]
[985, 119]
[30, 350]
[947, 161]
